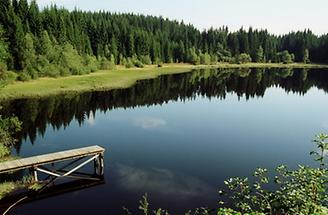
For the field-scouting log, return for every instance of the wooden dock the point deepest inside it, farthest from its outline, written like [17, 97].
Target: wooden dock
[36, 163]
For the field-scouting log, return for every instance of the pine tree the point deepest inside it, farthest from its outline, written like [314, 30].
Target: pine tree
[259, 56]
[29, 55]
[34, 18]
[46, 46]
[130, 45]
[306, 56]
[16, 41]
[113, 48]
[4, 54]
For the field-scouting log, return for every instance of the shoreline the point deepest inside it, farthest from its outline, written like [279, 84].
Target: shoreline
[118, 78]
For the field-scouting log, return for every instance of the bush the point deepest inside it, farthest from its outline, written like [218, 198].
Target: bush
[3, 67]
[214, 59]
[205, 59]
[4, 151]
[91, 63]
[285, 57]
[158, 62]
[23, 76]
[41, 64]
[105, 64]
[54, 71]
[145, 59]
[32, 72]
[244, 58]
[128, 63]
[7, 78]
[138, 64]
[300, 191]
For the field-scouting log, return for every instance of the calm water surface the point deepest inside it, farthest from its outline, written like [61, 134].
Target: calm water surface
[176, 137]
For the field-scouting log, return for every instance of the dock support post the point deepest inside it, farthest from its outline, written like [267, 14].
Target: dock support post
[95, 166]
[101, 164]
[35, 174]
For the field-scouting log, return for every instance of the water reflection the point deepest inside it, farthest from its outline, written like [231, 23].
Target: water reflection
[181, 152]
[163, 181]
[55, 190]
[149, 122]
[59, 111]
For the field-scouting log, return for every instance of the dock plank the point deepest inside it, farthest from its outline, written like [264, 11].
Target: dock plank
[38, 160]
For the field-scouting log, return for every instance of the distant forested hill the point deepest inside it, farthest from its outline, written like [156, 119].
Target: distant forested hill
[55, 41]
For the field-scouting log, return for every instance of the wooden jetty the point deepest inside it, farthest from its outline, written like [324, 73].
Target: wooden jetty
[37, 163]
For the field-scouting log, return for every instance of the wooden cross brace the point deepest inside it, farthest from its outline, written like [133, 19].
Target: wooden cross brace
[99, 163]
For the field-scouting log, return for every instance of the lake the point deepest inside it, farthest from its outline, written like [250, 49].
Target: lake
[177, 137]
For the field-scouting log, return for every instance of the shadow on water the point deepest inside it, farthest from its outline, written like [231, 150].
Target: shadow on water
[58, 111]
[52, 191]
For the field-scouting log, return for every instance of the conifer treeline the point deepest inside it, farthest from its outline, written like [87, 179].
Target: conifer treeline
[55, 41]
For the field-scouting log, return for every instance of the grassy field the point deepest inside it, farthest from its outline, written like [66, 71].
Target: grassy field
[6, 188]
[114, 79]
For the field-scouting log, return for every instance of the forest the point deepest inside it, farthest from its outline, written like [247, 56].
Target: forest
[54, 42]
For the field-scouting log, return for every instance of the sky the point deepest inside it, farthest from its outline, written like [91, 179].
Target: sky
[278, 16]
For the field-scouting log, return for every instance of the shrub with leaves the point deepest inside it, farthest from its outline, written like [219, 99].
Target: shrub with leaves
[8, 127]
[300, 191]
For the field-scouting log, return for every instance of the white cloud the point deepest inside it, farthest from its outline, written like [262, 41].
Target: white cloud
[162, 181]
[149, 122]
[91, 120]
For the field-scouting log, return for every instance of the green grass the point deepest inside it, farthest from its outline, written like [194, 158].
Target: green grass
[114, 79]
[6, 188]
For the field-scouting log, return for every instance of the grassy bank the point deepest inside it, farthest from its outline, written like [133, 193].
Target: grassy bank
[115, 79]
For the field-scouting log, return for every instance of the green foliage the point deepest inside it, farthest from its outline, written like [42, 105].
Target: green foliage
[53, 70]
[105, 64]
[7, 77]
[158, 62]
[145, 59]
[29, 55]
[90, 63]
[4, 54]
[144, 205]
[137, 63]
[244, 58]
[214, 59]
[8, 128]
[128, 64]
[306, 56]
[71, 60]
[4, 151]
[259, 55]
[23, 76]
[300, 191]
[192, 56]
[6, 188]
[322, 145]
[285, 57]
[205, 59]
[31, 39]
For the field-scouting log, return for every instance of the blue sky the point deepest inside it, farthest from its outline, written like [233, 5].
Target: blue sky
[278, 16]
